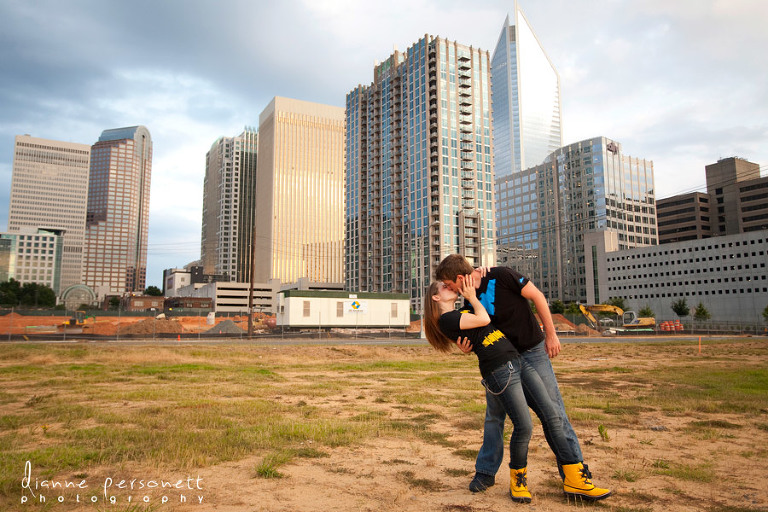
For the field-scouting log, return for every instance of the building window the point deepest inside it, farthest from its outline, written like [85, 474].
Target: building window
[306, 308]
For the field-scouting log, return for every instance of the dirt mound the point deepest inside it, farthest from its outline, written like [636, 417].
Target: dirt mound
[152, 326]
[584, 329]
[559, 320]
[225, 327]
[101, 328]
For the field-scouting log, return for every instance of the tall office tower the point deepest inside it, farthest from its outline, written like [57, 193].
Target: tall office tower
[737, 194]
[419, 176]
[115, 253]
[299, 230]
[49, 190]
[545, 211]
[230, 173]
[526, 99]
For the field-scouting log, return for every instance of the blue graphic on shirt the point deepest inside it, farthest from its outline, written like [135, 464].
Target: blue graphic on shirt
[521, 280]
[488, 298]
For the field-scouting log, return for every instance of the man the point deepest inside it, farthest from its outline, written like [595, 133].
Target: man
[505, 294]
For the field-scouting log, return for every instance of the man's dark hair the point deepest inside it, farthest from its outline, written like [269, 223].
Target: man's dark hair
[453, 266]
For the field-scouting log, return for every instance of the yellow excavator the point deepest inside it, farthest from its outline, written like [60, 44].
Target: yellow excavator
[629, 319]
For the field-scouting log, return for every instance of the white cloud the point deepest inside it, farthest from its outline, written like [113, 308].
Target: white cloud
[679, 82]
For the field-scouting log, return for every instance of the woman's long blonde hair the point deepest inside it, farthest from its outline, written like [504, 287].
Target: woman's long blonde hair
[435, 336]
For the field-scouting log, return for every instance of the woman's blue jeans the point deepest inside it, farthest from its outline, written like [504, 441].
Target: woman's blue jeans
[543, 396]
[504, 384]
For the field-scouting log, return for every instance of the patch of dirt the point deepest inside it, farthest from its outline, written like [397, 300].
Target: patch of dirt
[385, 474]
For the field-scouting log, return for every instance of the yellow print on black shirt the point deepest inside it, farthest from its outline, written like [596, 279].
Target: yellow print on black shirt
[492, 338]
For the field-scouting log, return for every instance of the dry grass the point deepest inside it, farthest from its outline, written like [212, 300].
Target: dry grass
[664, 423]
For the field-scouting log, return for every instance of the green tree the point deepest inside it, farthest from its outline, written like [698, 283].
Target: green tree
[12, 293]
[573, 309]
[618, 302]
[114, 302]
[557, 307]
[646, 312]
[701, 314]
[37, 295]
[9, 293]
[680, 307]
[153, 291]
[765, 313]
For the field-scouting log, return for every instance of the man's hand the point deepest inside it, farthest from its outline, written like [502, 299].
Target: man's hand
[483, 270]
[464, 345]
[552, 345]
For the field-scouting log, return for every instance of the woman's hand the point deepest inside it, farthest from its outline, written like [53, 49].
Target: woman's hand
[466, 286]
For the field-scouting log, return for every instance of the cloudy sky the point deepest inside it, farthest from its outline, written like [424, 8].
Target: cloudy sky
[679, 82]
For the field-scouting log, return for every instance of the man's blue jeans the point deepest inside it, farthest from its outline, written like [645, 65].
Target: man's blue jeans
[491, 454]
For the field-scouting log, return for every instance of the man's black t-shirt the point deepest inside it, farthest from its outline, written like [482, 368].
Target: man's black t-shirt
[490, 345]
[499, 292]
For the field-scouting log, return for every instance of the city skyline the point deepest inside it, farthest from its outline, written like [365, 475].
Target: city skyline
[680, 83]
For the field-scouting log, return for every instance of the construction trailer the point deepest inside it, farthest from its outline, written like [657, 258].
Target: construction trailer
[320, 309]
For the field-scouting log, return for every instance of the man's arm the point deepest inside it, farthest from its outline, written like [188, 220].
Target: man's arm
[551, 341]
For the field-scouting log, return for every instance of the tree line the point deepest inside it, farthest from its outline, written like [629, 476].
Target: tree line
[35, 295]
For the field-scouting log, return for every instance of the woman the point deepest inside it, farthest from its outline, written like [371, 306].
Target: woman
[504, 372]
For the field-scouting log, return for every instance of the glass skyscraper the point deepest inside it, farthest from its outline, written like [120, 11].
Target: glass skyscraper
[526, 99]
[419, 180]
[585, 187]
[117, 219]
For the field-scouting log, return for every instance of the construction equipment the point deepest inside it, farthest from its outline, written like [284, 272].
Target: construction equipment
[629, 319]
[78, 320]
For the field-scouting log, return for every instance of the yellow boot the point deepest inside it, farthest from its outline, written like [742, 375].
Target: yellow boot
[518, 485]
[578, 482]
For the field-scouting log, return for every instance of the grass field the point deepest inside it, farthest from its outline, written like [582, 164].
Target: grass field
[132, 428]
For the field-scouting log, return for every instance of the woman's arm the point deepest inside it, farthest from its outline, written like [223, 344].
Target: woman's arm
[480, 316]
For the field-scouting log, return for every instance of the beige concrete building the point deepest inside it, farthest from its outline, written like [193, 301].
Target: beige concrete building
[299, 228]
[31, 256]
[49, 190]
[731, 182]
[684, 217]
[736, 201]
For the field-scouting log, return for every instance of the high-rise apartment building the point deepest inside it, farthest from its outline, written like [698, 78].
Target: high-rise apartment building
[526, 99]
[299, 231]
[545, 211]
[228, 206]
[115, 252]
[419, 179]
[49, 190]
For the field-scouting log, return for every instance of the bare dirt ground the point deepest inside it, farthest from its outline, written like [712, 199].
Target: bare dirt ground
[394, 474]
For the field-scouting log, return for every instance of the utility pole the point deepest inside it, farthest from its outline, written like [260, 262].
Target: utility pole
[250, 281]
